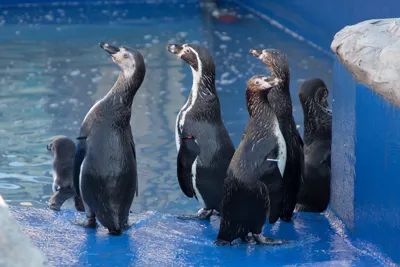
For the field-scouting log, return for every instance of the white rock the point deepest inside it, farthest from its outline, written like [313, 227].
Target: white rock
[371, 52]
[16, 248]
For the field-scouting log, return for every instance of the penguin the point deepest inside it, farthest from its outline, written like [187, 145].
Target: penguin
[253, 190]
[105, 171]
[314, 194]
[63, 150]
[281, 103]
[203, 144]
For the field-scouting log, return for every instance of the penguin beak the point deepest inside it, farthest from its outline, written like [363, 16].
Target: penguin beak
[269, 84]
[48, 147]
[256, 52]
[174, 48]
[109, 48]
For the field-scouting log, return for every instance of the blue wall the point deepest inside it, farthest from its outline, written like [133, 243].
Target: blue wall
[15, 2]
[318, 21]
[365, 162]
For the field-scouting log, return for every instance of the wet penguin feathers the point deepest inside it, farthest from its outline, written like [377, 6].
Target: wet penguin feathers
[203, 144]
[314, 194]
[253, 190]
[186, 156]
[63, 150]
[105, 171]
[277, 63]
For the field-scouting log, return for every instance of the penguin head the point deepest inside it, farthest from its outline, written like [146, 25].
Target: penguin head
[128, 59]
[262, 83]
[197, 56]
[275, 60]
[61, 146]
[314, 91]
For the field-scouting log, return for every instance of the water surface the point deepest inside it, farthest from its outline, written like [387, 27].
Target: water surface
[52, 72]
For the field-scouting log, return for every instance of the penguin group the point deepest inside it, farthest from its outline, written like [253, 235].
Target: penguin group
[271, 174]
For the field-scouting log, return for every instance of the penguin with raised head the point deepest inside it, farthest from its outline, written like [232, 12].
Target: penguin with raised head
[314, 194]
[203, 143]
[105, 172]
[253, 189]
[281, 103]
[63, 150]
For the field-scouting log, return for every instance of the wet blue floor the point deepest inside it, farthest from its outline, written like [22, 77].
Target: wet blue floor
[158, 239]
[55, 72]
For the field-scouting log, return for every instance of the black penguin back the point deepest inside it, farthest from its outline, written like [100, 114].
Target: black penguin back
[314, 194]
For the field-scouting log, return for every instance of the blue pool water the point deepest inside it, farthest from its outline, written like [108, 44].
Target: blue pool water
[55, 71]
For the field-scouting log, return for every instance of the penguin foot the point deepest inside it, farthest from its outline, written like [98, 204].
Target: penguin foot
[114, 232]
[263, 240]
[202, 214]
[216, 213]
[88, 224]
[286, 219]
[246, 238]
[54, 206]
[220, 242]
[79, 204]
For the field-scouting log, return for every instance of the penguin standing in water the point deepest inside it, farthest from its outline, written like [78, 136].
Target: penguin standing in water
[314, 192]
[105, 173]
[281, 103]
[253, 189]
[203, 143]
[63, 150]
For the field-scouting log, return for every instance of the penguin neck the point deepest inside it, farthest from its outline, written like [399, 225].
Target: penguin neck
[281, 101]
[280, 98]
[282, 71]
[259, 107]
[317, 122]
[119, 99]
[204, 82]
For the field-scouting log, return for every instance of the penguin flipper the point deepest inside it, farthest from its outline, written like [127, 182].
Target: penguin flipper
[187, 154]
[80, 152]
[270, 175]
[327, 159]
[134, 155]
[274, 182]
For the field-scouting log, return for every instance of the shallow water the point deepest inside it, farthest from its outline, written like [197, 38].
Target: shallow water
[53, 72]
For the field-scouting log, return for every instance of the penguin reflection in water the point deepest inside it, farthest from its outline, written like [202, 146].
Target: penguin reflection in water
[63, 150]
[253, 190]
[203, 143]
[314, 192]
[105, 172]
[281, 103]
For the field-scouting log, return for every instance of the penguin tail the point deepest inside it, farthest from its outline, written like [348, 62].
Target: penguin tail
[113, 221]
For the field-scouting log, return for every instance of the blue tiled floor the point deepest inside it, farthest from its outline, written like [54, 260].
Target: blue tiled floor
[158, 239]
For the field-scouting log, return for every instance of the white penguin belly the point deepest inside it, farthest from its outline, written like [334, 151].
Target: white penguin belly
[282, 148]
[54, 181]
[184, 111]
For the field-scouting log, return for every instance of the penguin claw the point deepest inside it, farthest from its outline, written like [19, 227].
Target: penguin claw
[246, 238]
[202, 214]
[263, 240]
[220, 242]
[115, 232]
[87, 224]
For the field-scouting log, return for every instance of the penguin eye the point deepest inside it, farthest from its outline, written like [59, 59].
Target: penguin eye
[125, 55]
[187, 51]
[257, 82]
